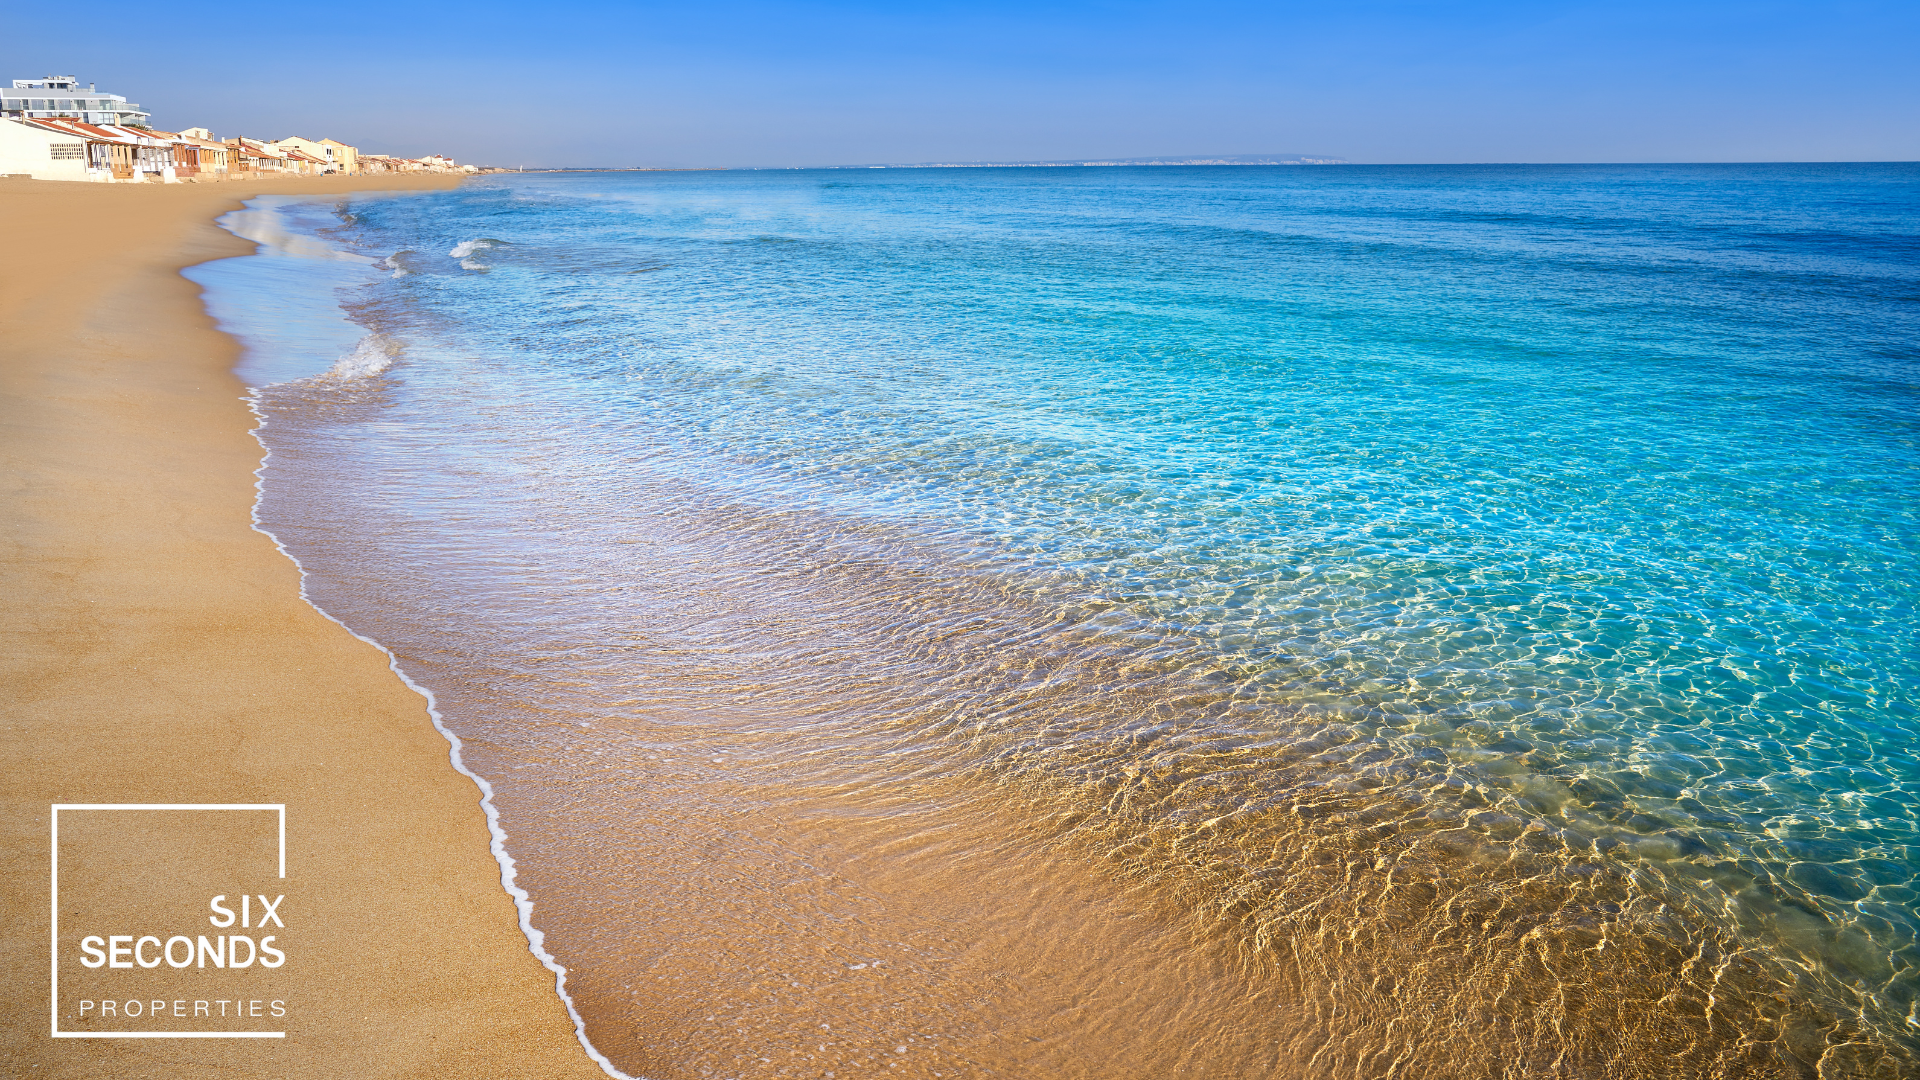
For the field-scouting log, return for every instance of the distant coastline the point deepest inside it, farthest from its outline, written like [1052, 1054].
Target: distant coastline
[1061, 163]
[607, 168]
[1171, 159]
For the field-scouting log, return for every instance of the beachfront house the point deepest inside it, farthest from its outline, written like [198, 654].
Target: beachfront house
[303, 151]
[211, 157]
[153, 157]
[182, 161]
[55, 97]
[379, 163]
[345, 158]
[285, 160]
[336, 156]
[39, 153]
[241, 161]
[64, 148]
[254, 156]
[305, 163]
[195, 158]
[113, 152]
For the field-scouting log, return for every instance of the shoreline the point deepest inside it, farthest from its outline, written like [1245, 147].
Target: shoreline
[163, 653]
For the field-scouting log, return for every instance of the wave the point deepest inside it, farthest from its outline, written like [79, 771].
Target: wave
[371, 356]
[466, 249]
[396, 262]
[264, 221]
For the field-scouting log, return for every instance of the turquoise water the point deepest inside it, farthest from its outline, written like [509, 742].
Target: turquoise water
[1484, 567]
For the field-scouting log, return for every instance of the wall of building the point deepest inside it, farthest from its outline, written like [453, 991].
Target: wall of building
[31, 151]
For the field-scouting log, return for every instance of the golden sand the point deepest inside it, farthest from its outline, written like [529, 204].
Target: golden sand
[158, 651]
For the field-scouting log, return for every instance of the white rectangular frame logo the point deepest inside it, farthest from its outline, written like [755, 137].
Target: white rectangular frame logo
[54, 986]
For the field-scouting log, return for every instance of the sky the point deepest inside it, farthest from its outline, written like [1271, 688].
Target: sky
[738, 83]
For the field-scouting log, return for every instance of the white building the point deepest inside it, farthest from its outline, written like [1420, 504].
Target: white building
[62, 96]
[34, 152]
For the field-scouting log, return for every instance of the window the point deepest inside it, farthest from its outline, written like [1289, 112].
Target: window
[68, 151]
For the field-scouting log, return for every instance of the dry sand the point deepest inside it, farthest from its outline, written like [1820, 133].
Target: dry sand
[158, 651]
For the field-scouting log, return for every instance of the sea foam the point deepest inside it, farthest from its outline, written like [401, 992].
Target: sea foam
[371, 356]
[465, 251]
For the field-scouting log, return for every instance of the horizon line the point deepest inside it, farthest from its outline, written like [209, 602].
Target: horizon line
[1181, 165]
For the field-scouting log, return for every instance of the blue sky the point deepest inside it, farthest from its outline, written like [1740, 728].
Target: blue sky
[733, 83]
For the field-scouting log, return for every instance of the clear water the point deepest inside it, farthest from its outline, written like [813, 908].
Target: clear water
[1146, 622]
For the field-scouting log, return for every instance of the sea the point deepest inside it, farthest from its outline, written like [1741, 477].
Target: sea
[1216, 622]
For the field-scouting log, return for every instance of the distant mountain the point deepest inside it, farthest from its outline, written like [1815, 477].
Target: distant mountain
[1240, 159]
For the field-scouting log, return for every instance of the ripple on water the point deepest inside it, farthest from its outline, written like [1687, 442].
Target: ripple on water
[1197, 616]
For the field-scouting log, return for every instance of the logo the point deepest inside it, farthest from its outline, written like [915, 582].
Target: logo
[169, 920]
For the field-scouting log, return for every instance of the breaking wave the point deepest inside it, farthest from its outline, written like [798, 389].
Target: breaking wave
[465, 250]
[371, 356]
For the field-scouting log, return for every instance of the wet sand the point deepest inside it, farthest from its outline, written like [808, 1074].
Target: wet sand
[158, 651]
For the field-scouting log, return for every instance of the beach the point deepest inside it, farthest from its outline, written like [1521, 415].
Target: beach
[1118, 623]
[159, 652]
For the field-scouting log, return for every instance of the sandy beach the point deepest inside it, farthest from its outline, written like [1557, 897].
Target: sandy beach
[158, 651]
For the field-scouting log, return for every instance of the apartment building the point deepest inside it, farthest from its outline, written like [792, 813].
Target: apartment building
[62, 97]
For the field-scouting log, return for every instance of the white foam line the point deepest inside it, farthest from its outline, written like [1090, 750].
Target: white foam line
[536, 939]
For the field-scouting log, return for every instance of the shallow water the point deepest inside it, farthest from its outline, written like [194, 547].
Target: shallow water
[1136, 622]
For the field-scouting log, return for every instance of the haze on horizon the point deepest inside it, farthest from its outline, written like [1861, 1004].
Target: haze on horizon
[772, 83]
